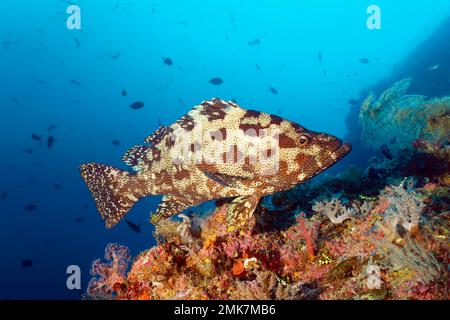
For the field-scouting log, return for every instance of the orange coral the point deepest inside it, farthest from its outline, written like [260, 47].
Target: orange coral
[238, 268]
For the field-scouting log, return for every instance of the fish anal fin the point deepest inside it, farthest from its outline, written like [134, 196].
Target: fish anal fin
[170, 206]
[157, 136]
[240, 211]
[114, 191]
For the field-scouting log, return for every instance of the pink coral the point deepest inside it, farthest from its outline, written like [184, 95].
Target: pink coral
[109, 277]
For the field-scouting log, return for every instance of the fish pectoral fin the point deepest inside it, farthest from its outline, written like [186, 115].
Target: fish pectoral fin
[226, 180]
[240, 211]
[157, 136]
[170, 206]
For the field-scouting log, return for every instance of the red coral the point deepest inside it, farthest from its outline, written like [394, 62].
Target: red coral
[310, 235]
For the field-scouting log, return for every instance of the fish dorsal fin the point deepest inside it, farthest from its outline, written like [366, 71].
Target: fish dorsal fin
[135, 157]
[170, 206]
[240, 211]
[157, 136]
[215, 108]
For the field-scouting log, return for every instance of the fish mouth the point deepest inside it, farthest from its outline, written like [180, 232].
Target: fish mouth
[338, 153]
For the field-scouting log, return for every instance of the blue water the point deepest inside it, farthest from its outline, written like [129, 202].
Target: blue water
[122, 45]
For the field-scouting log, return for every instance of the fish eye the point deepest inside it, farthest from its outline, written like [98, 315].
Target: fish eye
[304, 140]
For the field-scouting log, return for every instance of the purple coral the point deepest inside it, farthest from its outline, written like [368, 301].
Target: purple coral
[105, 276]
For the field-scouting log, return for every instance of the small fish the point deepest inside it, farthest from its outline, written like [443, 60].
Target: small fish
[77, 42]
[386, 152]
[29, 151]
[319, 56]
[137, 105]
[41, 81]
[50, 141]
[168, 61]
[8, 44]
[273, 90]
[135, 227]
[30, 207]
[124, 93]
[78, 220]
[4, 195]
[14, 100]
[185, 183]
[27, 263]
[116, 55]
[435, 67]
[216, 81]
[76, 83]
[364, 61]
[116, 142]
[352, 102]
[254, 42]
[257, 67]
[51, 127]
[57, 186]
[35, 137]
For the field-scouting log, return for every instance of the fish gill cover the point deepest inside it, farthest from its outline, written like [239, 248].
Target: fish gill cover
[255, 194]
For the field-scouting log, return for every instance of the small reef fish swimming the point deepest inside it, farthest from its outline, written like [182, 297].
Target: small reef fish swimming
[216, 151]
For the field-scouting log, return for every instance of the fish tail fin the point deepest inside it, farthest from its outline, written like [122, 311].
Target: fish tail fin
[114, 191]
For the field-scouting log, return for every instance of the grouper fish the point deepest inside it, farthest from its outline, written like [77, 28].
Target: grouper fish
[218, 150]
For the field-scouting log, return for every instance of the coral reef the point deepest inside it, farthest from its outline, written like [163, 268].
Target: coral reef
[378, 233]
[401, 233]
[397, 120]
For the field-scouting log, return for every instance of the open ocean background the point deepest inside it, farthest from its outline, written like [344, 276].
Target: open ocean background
[68, 84]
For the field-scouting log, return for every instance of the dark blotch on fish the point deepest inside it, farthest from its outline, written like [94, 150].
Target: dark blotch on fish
[116, 142]
[124, 93]
[135, 227]
[137, 105]
[50, 141]
[273, 90]
[216, 81]
[27, 263]
[30, 207]
[168, 61]
[254, 42]
[35, 137]
[364, 60]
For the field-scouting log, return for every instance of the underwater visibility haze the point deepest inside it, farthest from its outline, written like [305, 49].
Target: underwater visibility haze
[224, 149]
